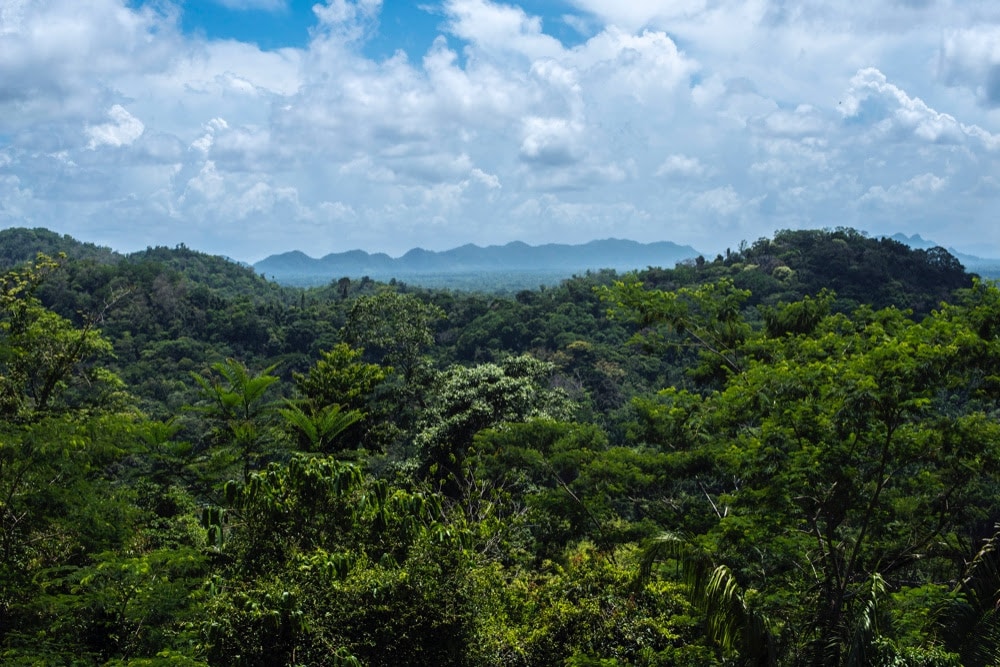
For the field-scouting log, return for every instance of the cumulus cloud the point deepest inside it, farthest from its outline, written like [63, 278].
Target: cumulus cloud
[971, 58]
[681, 165]
[337, 210]
[642, 66]
[804, 121]
[264, 198]
[205, 141]
[489, 180]
[638, 14]
[498, 28]
[872, 100]
[719, 201]
[550, 141]
[123, 129]
[347, 20]
[909, 193]
[209, 184]
[579, 177]
[56, 56]
[687, 120]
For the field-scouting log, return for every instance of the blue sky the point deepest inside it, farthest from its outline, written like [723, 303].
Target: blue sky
[408, 26]
[250, 127]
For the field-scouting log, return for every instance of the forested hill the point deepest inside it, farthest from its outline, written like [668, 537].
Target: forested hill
[880, 272]
[19, 245]
[787, 454]
[168, 311]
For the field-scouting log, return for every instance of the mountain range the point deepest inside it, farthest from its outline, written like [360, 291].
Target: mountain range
[509, 267]
[557, 260]
[986, 267]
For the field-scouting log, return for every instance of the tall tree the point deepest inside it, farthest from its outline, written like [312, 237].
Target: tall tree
[239, 416]
[840, 452]
[396, 327]
[43, 355]
[467, 400]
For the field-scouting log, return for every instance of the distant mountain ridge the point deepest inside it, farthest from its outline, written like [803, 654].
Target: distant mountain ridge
[553, 258]
[987, 267]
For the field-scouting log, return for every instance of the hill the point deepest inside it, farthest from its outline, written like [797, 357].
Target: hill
[19, 244]
[880, 272]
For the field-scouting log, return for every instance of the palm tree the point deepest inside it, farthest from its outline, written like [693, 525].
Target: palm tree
[731, 623]
[318, 427]
[972, 622]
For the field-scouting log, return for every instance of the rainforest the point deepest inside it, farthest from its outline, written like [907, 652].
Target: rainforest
[788, 454]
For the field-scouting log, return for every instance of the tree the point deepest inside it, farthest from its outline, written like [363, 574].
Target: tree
[83, 577]
[318, 428]
[335, 394]
[341, 378]
[395, 327]
[52, 441]
[240, 419]
[732, 622]
[43, 355]
[707, 318]
[327, 564]
[839, 454]
[582, 609]
[467, 400]
[554, 483]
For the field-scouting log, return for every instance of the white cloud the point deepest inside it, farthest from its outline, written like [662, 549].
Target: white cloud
[721, 201]
[337, 210]
[681, 165]
[579, 177]
[551, 141]
[499, 28]
[910, 193]
[347, 20]
[802, 122]
[263, 198]
[700, 122]
[365, 166]
[345, 11]
[645, 67]
[57, 55]
[489, 180]
[638, 14]
[890, 110]
[123, 129]
[205, 141]
[971, 58]
[17, 202]
[480, 94]
[577, 23]
[209, 184]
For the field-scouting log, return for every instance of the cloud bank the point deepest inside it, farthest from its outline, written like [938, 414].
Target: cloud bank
[701, 123]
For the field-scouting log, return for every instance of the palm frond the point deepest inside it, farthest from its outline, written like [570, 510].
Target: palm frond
[713, 589]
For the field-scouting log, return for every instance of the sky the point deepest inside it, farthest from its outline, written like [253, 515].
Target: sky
[252, 127]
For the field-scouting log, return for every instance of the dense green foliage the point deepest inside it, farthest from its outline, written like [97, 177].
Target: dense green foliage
[788, 455]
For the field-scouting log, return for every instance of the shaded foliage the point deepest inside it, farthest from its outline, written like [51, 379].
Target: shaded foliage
[200, 467]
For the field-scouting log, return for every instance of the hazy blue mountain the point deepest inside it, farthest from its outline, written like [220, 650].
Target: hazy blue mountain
[986, 267]
[557, 260]
[915, 241]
